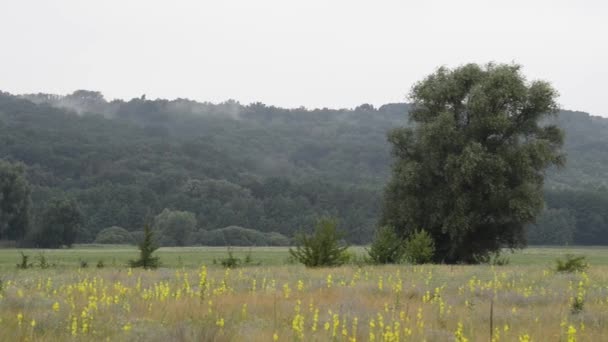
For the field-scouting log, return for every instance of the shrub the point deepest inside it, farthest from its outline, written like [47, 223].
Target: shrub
[24, 264]
[146, 248]
[571, 263]
[100, 264]
[387, 247]
[42, 262]
[239, 236]
[322, 248]
[114, 235]
[419, 248]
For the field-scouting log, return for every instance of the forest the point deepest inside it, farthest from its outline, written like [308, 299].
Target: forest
[234, 174]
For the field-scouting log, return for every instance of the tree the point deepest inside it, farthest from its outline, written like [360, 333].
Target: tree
[146, 248]
[174, 226]
[471, 169]
[322, 248]
[114, 235]
[14, 201]
[553, 227]
[60, 224]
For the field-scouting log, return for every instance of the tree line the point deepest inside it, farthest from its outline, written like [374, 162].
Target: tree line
[270, 170]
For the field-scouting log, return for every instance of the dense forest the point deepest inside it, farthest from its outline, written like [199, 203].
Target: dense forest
[238, 174]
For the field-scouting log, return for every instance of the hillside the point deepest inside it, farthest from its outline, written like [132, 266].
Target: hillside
[255, 166]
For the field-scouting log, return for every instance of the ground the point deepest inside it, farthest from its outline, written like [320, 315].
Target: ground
[193, 299]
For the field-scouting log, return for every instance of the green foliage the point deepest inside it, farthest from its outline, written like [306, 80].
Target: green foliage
[60, 223]
[571, 264]
[114, 235]
[578, 304]
[42, 262]
[419, 248]
[174, 226]
[471, 169]
[24, 262]
[231, 261]
[553, 227]
[239, 236]
[100, 264]
[261, 167]
[322, 248]
[14, 201]
[387, 247]
[146, 248]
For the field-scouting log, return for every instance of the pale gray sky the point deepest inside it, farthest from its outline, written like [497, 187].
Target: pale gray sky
[315, 53]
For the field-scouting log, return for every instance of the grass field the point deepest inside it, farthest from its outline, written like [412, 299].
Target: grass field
[187, 301]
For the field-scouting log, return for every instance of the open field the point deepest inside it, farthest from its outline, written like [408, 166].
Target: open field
[194, 257]
[273, 301]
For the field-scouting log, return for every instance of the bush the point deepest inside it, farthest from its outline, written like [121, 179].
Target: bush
[114, 235]
[24, 262]
[571, 264]
[323, 248]
[239, 236]
[387, 247]
[419, 248]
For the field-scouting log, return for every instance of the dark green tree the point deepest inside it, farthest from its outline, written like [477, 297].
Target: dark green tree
[174, 227]
[60, 223]
[387, 246]
[471, 169]
[14, 201]
[322, 248]
[146, 248]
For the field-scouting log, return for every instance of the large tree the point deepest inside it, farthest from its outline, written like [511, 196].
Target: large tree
[470, 170]
[14, 201]
[60, 224]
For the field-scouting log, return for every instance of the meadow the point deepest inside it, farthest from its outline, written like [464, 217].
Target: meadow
[191, 298]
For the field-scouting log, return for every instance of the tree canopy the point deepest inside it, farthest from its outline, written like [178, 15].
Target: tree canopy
[253, 166]
[14, 201]
[471, 169]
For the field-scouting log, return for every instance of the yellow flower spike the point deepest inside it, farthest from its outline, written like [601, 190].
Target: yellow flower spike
[19, 318]
[127, 327]
[524, 338]
[459, 335]
[571, 333]
[33, 323]
[275, 336]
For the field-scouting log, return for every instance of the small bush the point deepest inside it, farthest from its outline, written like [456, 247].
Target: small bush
[571, 264]
[323, 248]
[230, 261]
[42, 262]
[100, 264]
[84, 263]
[387, 247]
[24, 264]
[419, 248]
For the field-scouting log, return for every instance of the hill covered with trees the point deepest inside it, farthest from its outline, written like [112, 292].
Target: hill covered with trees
[259, 167]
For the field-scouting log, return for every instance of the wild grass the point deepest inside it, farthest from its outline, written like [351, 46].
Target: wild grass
[290, 302]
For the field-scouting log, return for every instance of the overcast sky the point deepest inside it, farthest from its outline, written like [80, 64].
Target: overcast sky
[313, 53]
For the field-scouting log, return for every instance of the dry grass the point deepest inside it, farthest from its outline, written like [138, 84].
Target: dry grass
[392, 303]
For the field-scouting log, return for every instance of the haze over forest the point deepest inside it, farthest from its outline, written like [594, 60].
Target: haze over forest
[255, 166]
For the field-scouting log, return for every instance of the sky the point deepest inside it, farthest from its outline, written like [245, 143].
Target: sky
[312, 53]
